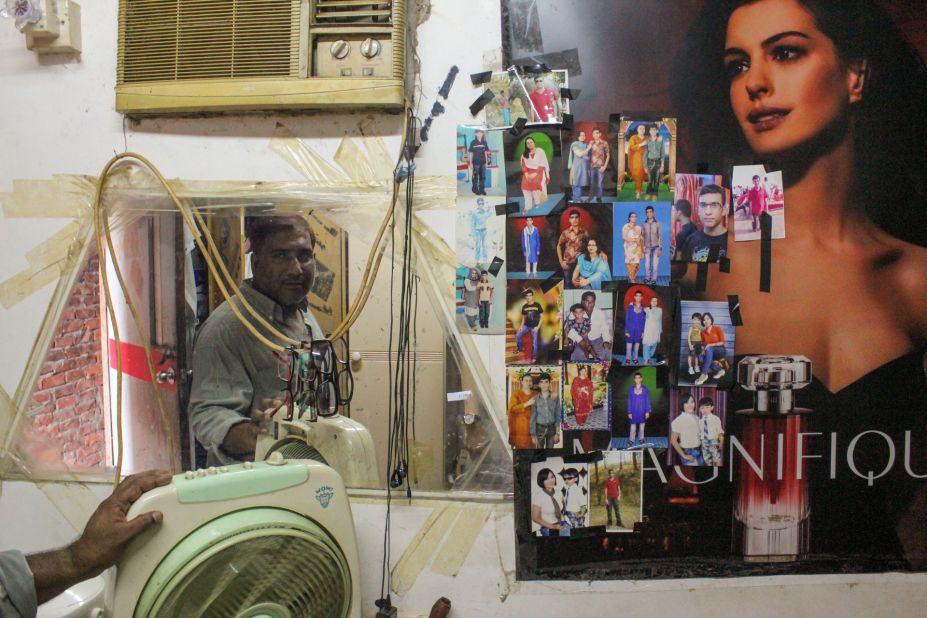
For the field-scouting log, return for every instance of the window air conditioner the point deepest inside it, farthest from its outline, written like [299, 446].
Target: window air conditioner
[192, 56]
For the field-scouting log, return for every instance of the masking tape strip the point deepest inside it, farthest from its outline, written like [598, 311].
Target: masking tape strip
[459, 542]
[56, 248]
[421, 548]
[43, 205]
[74, 501]
[306, 161]
[26, 283]
[355, 163]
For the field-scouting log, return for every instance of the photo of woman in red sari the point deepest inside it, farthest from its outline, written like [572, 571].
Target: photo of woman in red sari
[581, 392]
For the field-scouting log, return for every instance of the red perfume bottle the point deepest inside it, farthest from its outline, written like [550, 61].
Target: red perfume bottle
[771, 506]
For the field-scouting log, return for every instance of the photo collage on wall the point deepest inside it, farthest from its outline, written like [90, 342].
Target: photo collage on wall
[565, 239]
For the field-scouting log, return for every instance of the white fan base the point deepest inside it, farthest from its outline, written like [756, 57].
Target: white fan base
[84, 600]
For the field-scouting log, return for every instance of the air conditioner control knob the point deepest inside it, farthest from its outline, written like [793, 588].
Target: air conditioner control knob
[371, 48]
[340, 49]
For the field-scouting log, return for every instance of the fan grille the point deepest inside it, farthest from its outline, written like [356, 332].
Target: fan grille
[305, 576]
[294, 448]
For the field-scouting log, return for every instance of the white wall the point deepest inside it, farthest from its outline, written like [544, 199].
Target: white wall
[57, 117]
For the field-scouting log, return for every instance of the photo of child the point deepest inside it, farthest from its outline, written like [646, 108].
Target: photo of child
[534, 407]
[587, 325]
[640, 408]
[480, 162]
[697, 420]
[706, 344]
[533, 324]
[529, 250]
[559, 498]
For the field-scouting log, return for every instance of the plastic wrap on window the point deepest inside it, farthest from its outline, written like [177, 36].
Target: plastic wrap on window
[353, 191]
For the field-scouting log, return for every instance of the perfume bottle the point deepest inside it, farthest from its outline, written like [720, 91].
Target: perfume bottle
[772, 506]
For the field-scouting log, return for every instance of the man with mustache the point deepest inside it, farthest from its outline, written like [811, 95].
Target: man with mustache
[235, 376]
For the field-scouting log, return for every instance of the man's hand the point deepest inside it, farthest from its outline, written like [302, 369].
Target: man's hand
[103, 541]
[108, 531]
[241, 439]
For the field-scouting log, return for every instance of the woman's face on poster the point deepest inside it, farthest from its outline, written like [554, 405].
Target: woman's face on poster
[581, 137]
[550, 482]
[654, 301]
[641, 130]
[707, 321]
[530, 145]
[787, 82]
[632, 218]
[592, 247]
[526, 383]
[638, 379]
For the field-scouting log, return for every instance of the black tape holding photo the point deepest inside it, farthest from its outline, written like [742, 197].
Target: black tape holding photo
[551, 282]
[701, 277]
[495, 266]
[534, 69]
[571, 94]
[701, 167]
[765, 252]
[610, 286]
[518, 125]
[733, 307]
[567, 122]
[559, 207]
[480, 78]
[481, 101]
[724, 264]
[509, 208]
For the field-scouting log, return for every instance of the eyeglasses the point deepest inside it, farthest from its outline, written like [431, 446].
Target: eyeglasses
[316, 379]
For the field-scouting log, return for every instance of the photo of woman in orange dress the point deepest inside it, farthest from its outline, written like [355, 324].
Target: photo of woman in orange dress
[637, 148]
[521, 403]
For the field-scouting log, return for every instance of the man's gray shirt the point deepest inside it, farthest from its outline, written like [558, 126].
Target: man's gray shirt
[17, 586]
[233, 371]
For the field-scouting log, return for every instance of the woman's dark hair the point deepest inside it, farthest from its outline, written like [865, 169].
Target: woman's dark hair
[686, 399]
[543, 475]
[890, 120]
[709, 316]
[582, 367]
[638, 373]
[631, 213]
[586, 248]
[524, 155]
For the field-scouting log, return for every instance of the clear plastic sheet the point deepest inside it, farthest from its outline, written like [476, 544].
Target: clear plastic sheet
[354, 192]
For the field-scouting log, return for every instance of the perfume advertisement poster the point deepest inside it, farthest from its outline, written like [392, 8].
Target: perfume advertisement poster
[816, 424]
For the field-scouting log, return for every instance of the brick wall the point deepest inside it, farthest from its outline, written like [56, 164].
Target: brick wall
[68, 396]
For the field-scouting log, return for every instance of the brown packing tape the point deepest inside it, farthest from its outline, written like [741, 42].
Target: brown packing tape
[44, 204]
[460, 541]
[305, 160]
[421, 548]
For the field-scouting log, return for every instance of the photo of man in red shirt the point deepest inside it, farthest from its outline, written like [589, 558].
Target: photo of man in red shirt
[545, 102]
[612, 497]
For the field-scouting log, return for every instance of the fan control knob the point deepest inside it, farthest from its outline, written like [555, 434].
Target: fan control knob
[189, 475]
[340, 49]
[370, 48]
[247, 465]
[276, 459]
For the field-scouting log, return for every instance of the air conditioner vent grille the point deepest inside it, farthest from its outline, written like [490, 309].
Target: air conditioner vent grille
[164, 40]
[353, 12]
